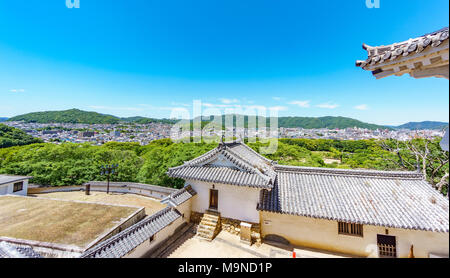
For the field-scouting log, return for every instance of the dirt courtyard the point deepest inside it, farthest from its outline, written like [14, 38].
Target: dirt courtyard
[57, 221]
[151, 205]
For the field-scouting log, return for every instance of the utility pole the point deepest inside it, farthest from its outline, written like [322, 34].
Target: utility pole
[108, 170]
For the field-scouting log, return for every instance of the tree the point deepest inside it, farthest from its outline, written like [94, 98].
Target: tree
[421, 155]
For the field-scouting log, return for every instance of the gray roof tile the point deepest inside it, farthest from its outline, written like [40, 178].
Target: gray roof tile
[386, 53]
[127, 240]
[180, 196]
[390, 199]
[250, 168]
[9, 250]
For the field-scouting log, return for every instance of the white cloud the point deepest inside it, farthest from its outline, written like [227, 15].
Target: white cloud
[228, 101]
[181, 104]
[100, 107]
[300, 103]
[328, 105]
[276, 98]
[17, 90]
[361, 107]
[278, 108]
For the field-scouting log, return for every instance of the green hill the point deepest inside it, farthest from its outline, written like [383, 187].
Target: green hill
[84, 117]
[10, 136]
[144, 120]
[311, 122]
[67, 116]
[424, 125]
[77, 116]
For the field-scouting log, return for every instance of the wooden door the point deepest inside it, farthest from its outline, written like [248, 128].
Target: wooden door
[213, 199]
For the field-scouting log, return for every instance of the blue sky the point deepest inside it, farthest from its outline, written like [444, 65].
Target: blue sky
[144, 57]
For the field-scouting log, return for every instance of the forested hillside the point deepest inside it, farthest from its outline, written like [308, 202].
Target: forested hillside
[84, 117]
[10, 136]
[307, 122]
[67, 116]
[424, 125]
[74, 164]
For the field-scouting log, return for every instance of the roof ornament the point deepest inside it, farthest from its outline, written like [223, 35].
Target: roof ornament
[222, 140]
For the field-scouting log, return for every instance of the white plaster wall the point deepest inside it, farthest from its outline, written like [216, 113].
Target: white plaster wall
[185, 209]
[9, 188]
[236, 202]
[160, 237]
[323, 234]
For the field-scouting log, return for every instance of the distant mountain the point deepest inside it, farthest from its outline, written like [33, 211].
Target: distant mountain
[311, 122]
[10, 136]
[67, 116]
[3, 119]
[85, 117]
[77, 116]
[423, 125]
[144, 120]
[325, 122]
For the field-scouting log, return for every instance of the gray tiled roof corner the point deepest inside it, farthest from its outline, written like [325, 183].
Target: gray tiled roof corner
[130, 238]
[180, 196]
[382, 198]
[385, 53]
[251, 169]
[9, 250]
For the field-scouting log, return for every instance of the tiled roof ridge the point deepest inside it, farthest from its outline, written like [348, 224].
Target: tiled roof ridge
[379, 54]
[225, 150]
[127, 232]
[350, 172]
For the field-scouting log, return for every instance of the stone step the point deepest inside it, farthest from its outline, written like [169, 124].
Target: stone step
[212, 219]
[205, 230]
[215, 219]
[209, 223]
[209, 226]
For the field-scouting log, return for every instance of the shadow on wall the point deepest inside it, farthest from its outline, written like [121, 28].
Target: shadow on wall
[278, 241]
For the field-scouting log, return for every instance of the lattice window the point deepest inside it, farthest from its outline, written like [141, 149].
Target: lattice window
[350, 229]
[387, 250]
[387, 246]
[18, 186]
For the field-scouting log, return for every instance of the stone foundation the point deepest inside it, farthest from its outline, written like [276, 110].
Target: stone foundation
[196, 217]
[232, 226]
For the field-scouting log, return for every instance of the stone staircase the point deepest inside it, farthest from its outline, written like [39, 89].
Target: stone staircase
[209, 226]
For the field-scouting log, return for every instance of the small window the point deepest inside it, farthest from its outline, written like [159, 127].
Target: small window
[350, 229]
[387, 246]
[18, 186]
[152, 238]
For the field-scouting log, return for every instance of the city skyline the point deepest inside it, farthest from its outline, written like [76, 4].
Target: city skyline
[147, 58]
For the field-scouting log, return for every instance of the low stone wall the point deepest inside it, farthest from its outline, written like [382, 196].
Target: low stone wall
[196, 217]
[154, 191]
[232, 226]
[50, 189]
[147, 190]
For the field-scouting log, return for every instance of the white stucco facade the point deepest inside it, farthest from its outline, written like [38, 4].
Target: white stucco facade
[323, 234]
[236, 202]
[159, 238]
